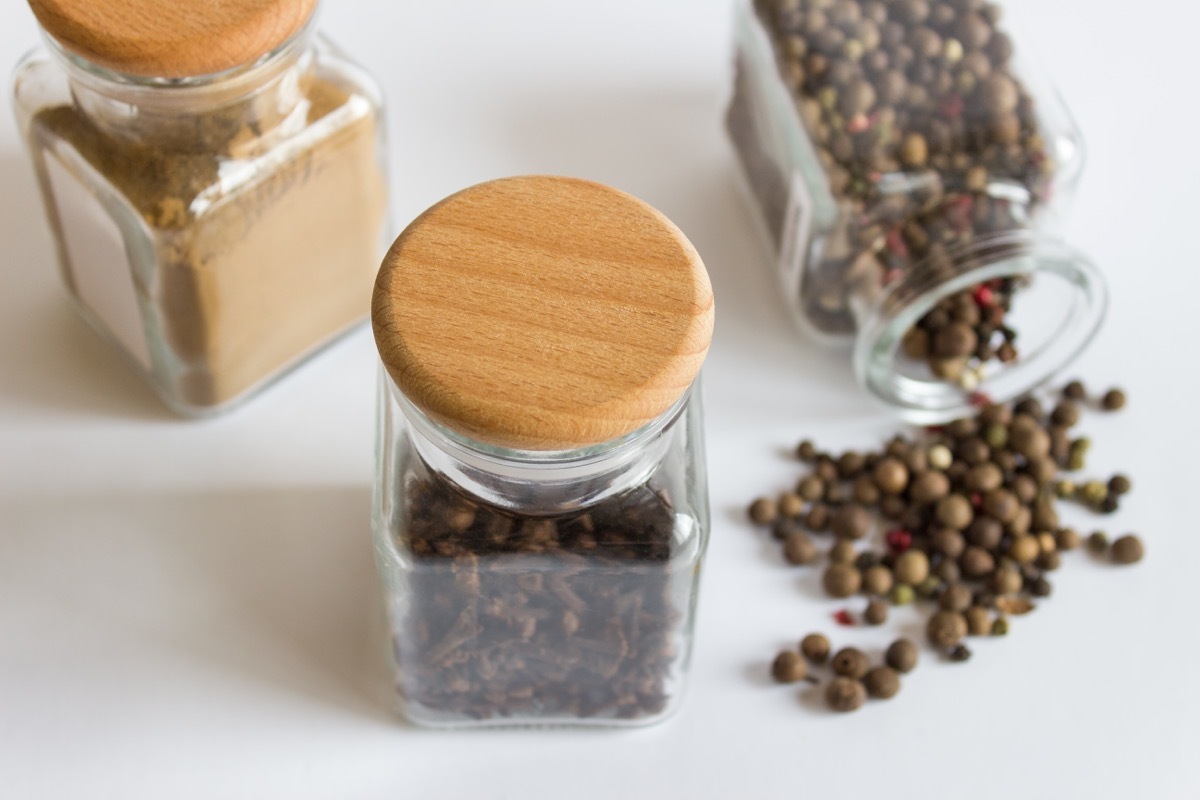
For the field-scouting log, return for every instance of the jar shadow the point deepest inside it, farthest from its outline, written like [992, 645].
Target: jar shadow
[275, 587]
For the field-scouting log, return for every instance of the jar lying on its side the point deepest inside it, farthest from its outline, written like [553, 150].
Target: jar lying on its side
[541, 506]
[218, 211]
[907, 170]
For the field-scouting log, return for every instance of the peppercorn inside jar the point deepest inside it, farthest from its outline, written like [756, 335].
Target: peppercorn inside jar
[541, 507]
[218, 212]
[909, 171]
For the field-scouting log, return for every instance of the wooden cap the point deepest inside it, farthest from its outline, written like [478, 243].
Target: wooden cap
[171, 38]
[543, 313]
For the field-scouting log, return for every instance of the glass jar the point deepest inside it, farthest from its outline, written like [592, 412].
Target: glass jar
[541, 506]
[910, 171]
[218, 212]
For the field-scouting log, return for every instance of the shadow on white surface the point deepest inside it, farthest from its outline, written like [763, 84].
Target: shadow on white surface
[267, 595]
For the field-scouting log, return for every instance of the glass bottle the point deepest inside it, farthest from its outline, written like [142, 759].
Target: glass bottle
[541, 506]
[218, 213]
[910, 171]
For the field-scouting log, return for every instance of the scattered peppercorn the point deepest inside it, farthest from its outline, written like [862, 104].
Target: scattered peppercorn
[845, 694]
[882, 682]
[798, 548]
[789, 667]
[1000, 626]
[1119, 485]
[876, 612]
[763, 511]
[1113, 400]
[946, 628]
[1098, 542]
[902, 594]
[815, 648]
[959, 653]
[1127, 549]
[841, 580]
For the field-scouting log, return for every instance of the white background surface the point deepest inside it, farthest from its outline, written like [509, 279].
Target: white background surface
[189, 609]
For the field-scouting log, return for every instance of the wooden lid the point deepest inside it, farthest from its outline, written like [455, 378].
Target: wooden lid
[543, 313]
[171, 38]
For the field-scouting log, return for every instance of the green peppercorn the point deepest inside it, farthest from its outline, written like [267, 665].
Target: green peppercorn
[789, 667]
[815, 648]
[996, 436]
[1065, 489]
[876, 612]
[841, 580]
[1094, 492]
[882, 682]
[763, 511]
[845, 694]
[1000, 626]
[929, 588]
[946, 628]
[850, 662]
[1127, 549]
[959, 653]
[1119, 485]
[1098, 542]
[902, 594]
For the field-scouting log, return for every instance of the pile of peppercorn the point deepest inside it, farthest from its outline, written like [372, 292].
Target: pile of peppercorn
[967, 516]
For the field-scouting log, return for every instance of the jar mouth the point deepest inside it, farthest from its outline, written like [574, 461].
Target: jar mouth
[1056, 313]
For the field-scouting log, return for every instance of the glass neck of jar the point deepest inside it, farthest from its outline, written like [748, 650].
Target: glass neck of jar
[1059, 300]
[229, 111]
[531, 482]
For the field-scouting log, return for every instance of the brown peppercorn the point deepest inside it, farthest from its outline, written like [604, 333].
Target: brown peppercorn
[785, 527]
[984, 477]
[912, 567]
[891, 476]
[1113, 400]
[1066, 413]
[798, 548]
[790, 504]
[815, 648]
[1030, 439]
[882, 682]
[826, 469]
[999, 94]
[985, 532]
[1025, 488]
[956, 597]
[1127, 550]
[1005, 580]
[1024, 549]
[954, 511]
[946, 628]
[843, 552]
[850, 662]
[878, 580]
[817, 519]
[1040, 587]
[1049, 561]
[974, 451]
[1001, 505]
[949, 543]
[763, 511]
[914, 152]
[1075, 391]
[929, 487]
[857, 97]
[959, 653]
[849, 464]
[1119, 485]
[1098, 542]
[901, 656]
[789, 667]
[976, 563]
[806, 451]
[973, 31]
[850, 522]
[841, 580]
[845, 694]
[979, 621]
[811, 488]
[876, 612]
[948, 571]
[1044, 515]
[956, 339]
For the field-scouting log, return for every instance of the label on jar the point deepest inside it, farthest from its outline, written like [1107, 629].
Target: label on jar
[97, 261]
[793, 250]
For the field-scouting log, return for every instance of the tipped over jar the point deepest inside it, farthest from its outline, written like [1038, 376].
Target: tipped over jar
[909, 170]
[541, 506]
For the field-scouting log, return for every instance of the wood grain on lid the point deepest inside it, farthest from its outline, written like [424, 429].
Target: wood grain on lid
[543, 313]
[171, 38]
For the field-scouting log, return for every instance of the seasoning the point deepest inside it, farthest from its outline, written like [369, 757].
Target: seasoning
[217, 232]
[763, 511]
[841, 580]
[1113, 400]
[798, 548]
[901, 655]
[815, 648]
[789, 667]
[913, 160]
[845, 694]
[876, 612]
[881, 682]
[522, 586]
[1127, 550]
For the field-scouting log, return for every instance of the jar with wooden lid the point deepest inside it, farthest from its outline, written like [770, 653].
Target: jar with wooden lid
[541, 507]
[214, 179]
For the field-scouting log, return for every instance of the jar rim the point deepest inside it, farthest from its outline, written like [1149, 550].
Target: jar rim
[1015, 254]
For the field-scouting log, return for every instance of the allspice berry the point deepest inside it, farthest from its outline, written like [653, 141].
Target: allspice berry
[876, 612]
[1127, 550]
[956, 597]
[912, 567]
[815, 648]
[1005, 580]
[851, 521]
[789, 667]
[845, 694]
[914, 151]
[850, 662]
[763, 511]
[843, 552]
[1024, 549]
[1001, 505]
[954, 511]
[956, 340]
[811, 488]
[891, 476]
[799, 548]
[949, 543]
[841, 580]
[998, 93]
[976, 563]
[1113, 400]
[901, 655]
[946, 628]
[929, 487]
[979, 621]
[791, 504]
[881, 682]
[878, 580]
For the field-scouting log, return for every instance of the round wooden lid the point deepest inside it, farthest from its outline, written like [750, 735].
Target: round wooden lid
[543, 313]
[168, 38]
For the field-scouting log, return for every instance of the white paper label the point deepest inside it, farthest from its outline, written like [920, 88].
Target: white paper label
[793, 250]
[97, 261]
